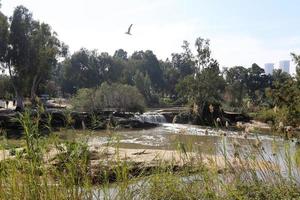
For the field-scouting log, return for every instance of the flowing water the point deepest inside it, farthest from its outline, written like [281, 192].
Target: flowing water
[151, 117]
[206, 140]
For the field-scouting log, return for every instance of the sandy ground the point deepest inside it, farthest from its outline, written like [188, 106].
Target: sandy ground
[145, 158]
[255, 125]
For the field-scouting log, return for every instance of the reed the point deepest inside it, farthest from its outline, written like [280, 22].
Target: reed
[34, 173]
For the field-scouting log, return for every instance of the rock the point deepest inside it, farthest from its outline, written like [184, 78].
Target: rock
[235, 117]
[169, 116]
[123, 114]
[182, 118]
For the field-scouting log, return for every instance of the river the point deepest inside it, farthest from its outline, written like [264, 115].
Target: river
[206, 140]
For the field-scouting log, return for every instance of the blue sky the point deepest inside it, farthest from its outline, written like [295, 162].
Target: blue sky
[241, 31]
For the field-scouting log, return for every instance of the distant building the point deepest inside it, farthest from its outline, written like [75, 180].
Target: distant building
[284, 65]
[269, 67]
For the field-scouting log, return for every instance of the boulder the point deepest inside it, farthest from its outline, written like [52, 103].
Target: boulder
[182, 118]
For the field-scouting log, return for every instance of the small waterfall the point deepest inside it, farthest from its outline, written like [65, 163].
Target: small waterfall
[151, 117]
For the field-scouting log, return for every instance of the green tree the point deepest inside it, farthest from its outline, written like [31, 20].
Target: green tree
[82, 70]
[44, 52]
[203, 53]
[171, 76]
[120, 54]
[6, 89]
[206, 86]
[18, 56]
[184, 62]
[143, 84]
[120, 97]
[29, 51]
[287, 96]
[296, 59]
[257, 82]
[4, 34]
[146, 62]
[236, 78]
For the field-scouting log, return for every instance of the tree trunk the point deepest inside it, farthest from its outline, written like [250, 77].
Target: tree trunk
[34, 87]
[33, 90]
[19, 97]
[20, 103]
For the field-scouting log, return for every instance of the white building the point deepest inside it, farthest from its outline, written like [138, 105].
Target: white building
[269, 67]
[284, 65]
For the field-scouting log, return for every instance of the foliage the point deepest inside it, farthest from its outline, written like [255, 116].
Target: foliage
[266, 115]
[29, 50]
[206, 86]
[83, 100]
[4, 33]
[236, 79]
[70, 174]
[287, 96]
[116, 96]
[6, 88]
[84, 69]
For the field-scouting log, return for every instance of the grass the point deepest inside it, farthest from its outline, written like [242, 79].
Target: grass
[34, 174]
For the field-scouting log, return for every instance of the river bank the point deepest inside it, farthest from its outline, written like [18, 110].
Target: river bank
[133, 163]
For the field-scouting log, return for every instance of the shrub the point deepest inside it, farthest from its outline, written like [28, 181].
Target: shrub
[83, 100]
[115, 96]
[284, 114]
[266, 115]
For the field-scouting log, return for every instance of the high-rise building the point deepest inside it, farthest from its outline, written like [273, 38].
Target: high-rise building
[269, 67]
[284, 65]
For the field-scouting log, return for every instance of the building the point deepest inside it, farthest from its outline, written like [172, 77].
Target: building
[284, 65]
[269, 67]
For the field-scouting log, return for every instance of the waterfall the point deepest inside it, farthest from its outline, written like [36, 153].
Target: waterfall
[151, 117]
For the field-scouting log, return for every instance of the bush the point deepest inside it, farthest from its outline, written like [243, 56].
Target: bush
[266, 115]
[115, 96]
[83, 100]
[284, 114]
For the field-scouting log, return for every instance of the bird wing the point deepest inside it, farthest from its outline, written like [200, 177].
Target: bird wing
[129, 28]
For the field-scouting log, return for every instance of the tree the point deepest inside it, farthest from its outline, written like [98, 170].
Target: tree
[147, 62]
[4, 33]
[17, 58]
[203, 89]
[296, 59]
[115, 96]
[87, 69]
[184, 62]
[44, 52]
[203, 53]
[287, 96]
[82, 70]
[6, 89]
[143, 84]
[120, 54]
[236, 78]
[206, 86]
[29, 51]
[171, 77]
[257, 82]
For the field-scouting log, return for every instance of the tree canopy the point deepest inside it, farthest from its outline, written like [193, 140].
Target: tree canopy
[29, 51]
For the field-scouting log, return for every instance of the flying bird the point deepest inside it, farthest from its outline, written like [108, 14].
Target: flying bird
[129, 29]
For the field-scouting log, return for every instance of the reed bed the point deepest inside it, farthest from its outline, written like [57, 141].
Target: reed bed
[48, 168]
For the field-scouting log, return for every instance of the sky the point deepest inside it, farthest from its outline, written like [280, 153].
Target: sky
[241, 31]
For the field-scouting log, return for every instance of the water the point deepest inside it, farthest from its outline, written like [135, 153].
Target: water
[151, 117]
[205, 140]
[166, 135]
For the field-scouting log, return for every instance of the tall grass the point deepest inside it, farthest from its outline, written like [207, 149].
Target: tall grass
[48, 168]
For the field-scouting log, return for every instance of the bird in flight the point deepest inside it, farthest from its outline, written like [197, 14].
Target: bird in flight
[129, 29]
